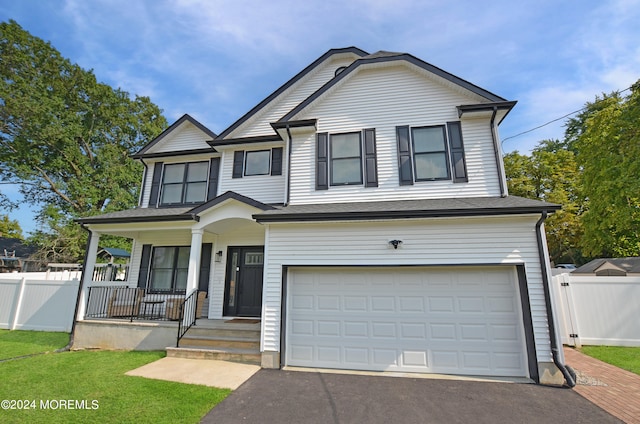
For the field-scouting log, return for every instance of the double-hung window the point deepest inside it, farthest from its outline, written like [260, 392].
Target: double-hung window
[431, 153]
[169, 267]
[184, 183]
[346, 159]
[345, 152]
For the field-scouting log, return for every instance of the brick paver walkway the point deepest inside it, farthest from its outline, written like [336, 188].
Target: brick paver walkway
[613, 389]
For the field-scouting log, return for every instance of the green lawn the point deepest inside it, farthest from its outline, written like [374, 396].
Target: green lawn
[627, 358]
[97, 378]
[19, 343]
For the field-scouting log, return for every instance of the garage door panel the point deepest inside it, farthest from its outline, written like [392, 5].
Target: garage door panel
[445, 320]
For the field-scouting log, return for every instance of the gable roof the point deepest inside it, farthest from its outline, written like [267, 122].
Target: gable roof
[629, 265]
[230, 195]
[382, 57]
[142, 153]
[288, 84]
[404, 209]
[114, 252]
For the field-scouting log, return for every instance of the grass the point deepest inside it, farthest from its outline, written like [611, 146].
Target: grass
[97, 378]
[20, 343]
[627, 358]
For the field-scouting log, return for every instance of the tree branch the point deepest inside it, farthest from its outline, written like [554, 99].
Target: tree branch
[55, 189]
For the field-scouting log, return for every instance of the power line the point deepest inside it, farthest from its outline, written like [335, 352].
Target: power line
[558, 119]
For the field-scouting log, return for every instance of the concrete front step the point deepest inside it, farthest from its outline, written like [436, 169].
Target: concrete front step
[197, 331]
[247, 356]
[222, 342]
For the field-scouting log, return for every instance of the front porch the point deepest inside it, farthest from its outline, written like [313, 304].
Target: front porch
[230, 340]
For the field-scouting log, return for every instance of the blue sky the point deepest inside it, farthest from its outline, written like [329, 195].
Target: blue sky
[216, 59]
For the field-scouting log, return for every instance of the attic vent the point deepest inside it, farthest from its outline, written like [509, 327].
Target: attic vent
[340, 69]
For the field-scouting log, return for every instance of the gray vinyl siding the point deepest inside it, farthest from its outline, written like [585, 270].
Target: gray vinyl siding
[460, 241]
[383, 99]
[259, 125]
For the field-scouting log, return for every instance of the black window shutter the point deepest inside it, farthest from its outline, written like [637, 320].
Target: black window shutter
[405, 169]
[238, 162]
[145, 264]
[370, 162]
[322, 162]
[457, 153]
[214, 170]
[205, 265]
[276, 161]
[155, 185]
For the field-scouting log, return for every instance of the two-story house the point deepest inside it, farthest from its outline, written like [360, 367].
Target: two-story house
[361, 213]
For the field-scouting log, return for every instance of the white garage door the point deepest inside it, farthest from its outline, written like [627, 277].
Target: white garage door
[462, 320]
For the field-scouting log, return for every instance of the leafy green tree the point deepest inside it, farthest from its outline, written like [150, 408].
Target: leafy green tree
[10, 228]
[551, 174]
[608, 144]
[65, 138]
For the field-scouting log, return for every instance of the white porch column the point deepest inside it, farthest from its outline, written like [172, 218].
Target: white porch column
[194, 260]
[87, 274]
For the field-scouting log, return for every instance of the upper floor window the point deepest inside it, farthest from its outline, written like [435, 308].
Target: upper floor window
[346, 159]
[257, 162]
[345, 152]
[177, 184]
[431, 153]
[184, 183]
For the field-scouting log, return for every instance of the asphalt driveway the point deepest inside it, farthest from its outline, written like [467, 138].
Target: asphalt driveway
[276, 396]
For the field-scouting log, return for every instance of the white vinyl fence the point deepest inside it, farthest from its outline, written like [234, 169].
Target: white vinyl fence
[28, 301]
[593, 310]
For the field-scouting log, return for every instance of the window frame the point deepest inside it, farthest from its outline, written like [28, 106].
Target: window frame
[246, 162]
[331, 159]
[184, 183]
[174, 270]
[445, 153]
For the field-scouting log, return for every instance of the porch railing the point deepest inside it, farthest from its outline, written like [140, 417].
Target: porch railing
[110, 272]
[187, 314]
[133, 303]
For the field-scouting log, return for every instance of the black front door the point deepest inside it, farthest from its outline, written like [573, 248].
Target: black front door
[243, 288]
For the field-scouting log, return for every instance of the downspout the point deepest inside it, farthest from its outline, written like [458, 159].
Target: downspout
[567, 372]
[144, 181]
[290, 144]
[496, 151]
[79, 296]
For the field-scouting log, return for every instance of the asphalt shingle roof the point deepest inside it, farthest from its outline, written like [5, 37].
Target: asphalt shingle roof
[408, 209]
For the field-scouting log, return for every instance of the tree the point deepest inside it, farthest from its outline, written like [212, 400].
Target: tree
[551, 174]
[608, 146]
[10, 228]
[65, 138]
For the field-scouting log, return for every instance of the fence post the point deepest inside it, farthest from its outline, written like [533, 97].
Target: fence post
[18, 307]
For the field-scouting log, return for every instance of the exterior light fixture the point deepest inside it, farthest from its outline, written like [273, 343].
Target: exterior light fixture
[395, 243]
[219, 256]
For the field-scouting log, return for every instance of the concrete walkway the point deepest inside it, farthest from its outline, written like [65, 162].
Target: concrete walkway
[222, 374]
[613, 389]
